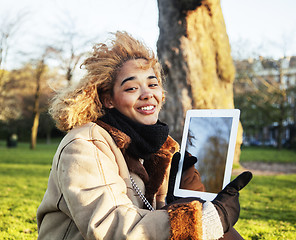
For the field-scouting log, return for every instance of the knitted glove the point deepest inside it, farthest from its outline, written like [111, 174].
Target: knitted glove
[188, 162]
[227, 201]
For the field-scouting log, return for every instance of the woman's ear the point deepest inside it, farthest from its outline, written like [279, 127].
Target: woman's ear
[107, 102]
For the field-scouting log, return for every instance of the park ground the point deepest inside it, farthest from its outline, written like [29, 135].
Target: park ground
[268, 207]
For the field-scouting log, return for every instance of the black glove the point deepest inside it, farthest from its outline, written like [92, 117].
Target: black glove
[188, 162]
[227, 201]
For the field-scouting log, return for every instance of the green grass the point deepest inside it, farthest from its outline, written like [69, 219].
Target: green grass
[23, 181]
[42, 155]
[268, 207]
[269, 155]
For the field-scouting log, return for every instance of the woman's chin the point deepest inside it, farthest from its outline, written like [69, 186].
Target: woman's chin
[148, 120]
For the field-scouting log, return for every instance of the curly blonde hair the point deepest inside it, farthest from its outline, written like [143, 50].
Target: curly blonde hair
[83, 103]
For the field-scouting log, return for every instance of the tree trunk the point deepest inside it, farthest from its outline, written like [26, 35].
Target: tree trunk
[39, 72]
[194, 49]
[34, 130]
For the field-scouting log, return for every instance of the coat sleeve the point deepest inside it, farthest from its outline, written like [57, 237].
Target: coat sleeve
[95, 194]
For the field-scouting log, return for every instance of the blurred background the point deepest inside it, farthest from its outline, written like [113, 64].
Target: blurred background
[43, 44]
[215, 54]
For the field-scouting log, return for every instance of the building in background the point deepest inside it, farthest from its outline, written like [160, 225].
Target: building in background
[265, 91]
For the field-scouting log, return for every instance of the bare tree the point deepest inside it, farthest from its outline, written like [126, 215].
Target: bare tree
[70, 46]
[38, 75]
[194, 48]
[68, 56]
[8, 29]
[28, 92]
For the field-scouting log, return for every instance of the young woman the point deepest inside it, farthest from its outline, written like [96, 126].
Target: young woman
[109, 177]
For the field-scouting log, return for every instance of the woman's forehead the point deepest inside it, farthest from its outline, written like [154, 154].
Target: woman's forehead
[135, 65]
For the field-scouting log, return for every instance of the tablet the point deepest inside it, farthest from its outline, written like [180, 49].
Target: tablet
[210, 136]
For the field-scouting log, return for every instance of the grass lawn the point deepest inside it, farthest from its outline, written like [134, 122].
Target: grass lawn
[265, 154]
[23, 181]
[268, 209]
[267, 203]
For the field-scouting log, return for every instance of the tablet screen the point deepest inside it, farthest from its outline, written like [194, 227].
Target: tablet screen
[210, 136]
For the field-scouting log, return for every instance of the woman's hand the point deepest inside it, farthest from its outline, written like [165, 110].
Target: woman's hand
[227, 201]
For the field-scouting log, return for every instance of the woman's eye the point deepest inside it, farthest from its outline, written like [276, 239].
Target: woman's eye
[130, 89]
[153, 85]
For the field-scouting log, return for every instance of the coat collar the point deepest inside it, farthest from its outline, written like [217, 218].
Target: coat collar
[122, 140]
[152, 172]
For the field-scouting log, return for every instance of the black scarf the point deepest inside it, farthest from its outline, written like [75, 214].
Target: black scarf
[145, 139]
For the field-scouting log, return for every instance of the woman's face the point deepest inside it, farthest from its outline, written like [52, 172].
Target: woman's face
[137, 93]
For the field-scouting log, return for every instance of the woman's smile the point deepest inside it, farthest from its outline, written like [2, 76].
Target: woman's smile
[147, 109]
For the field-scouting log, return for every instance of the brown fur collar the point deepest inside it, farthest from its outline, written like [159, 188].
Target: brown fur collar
[156, 167]
[153, 171]
[121, 139]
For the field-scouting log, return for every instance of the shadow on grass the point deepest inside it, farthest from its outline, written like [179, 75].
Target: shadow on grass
[272, 213]
[270, 198]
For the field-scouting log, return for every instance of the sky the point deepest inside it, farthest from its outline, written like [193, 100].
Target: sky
[261, 27]
[254, 27]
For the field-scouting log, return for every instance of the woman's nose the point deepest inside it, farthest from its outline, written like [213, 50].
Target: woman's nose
[146, 94]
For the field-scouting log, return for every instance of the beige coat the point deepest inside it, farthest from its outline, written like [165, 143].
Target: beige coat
[90, 196]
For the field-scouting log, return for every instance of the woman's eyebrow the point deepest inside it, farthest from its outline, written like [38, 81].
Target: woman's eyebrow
[133, 78]
[127, 79]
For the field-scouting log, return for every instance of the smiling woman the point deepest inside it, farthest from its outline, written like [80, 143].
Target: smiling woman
[137, 92]
[111, 176]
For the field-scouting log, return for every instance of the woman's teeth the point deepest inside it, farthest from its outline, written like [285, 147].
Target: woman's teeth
[147, 108]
